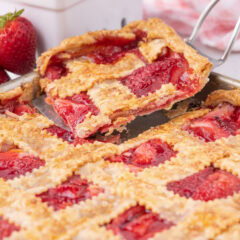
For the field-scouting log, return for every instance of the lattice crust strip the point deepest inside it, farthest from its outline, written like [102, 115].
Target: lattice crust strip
[22, 208]
[206, 222]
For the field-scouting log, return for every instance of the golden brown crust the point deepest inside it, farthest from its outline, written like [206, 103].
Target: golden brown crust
[230, 96]
[24, 93]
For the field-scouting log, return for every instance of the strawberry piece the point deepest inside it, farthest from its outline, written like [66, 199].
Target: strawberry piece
[8, 106]
[55, 71]
[137, 223]
[3, 76]
[186, 187]
[167, 69]
[61, 133]
[22, 108]
[150, 153]
[15, 163]
[15, 107]
[223, 121]
[111, 49]
[70, 192]
[67, 136]
[208, 184]
[7, 228]
[220, 184]
[74, 109]
[18, 42]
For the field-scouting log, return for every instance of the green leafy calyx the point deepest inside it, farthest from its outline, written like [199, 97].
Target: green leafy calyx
[9, 17]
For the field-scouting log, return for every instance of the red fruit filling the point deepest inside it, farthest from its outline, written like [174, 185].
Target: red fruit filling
[70, 192]
[222, 121]
[15, 107]
[111, 52]
[69, 137]
[15, 162]
[150, 153]
[7, 228]
[74, 109]
[106, 51]
[56, 70]
[170, 68]
[138, 223]
[110, 49]
[208, 184]
[61, 133]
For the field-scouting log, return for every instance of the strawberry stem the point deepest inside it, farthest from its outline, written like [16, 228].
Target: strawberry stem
[9, 17]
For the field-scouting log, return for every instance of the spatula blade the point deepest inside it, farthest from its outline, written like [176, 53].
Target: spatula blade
[48, 111]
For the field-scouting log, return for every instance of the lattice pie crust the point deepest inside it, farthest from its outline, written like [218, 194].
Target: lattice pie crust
[123, 188]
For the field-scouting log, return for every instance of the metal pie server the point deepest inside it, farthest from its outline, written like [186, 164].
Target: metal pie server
[38, 102]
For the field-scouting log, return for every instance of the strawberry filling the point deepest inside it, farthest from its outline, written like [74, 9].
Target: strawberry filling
[6, 228]
[222, 121]
[208, 184]
[112, 51]
[150, 153]
[107, 50]
[169, 68]
[15, 162]
[138, 223]
[15, 107]
[74, 109]
[61, 133]
[69, 137]
[70, 192]
[56, 71]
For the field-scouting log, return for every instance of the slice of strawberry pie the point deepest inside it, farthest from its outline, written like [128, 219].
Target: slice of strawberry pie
[102, 80]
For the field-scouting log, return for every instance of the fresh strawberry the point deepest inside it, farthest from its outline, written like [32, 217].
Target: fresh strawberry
[18, 42]
[3, 76]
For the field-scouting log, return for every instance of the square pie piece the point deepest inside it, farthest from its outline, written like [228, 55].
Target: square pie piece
[102, 80]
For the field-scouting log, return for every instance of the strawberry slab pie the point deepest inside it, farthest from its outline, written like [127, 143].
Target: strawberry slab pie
[102, 80]
[179, 180]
